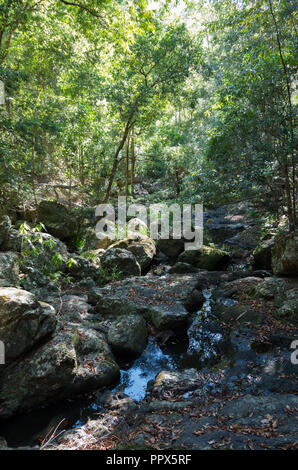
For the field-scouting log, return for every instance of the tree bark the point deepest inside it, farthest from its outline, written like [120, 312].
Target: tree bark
[116, 161]
[133, 160]
[127, 168]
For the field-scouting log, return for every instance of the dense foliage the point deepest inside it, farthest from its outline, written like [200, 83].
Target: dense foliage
[101, 94]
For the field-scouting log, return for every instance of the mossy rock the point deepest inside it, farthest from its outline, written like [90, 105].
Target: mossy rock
[207, 257]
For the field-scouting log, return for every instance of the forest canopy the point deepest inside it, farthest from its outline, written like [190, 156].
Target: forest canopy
[103, 94]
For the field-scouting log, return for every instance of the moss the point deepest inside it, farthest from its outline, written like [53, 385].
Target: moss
[212, 258]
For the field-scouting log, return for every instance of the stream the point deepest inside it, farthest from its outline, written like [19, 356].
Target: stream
[202, 348]
[177, 354]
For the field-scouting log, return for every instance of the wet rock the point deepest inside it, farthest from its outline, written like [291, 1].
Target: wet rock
[75, 361]
[9, 269]
[58, 219]
[128, 335]
[207, 257]
[175, 382]
[121, 262]
[24, 321]
[116, 401]
[194, 301]
[285, 254]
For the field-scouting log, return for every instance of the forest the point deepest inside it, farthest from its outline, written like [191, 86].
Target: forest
[140, 343]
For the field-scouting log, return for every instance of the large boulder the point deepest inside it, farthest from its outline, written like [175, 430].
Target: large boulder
[120, 261]
[9, 269]
[24, 321]
[40, 251]
[76, 360]
[128, 335]
[285, 254]
[44, 253]
[163, 301]
[207, 257]
[141, 246]
[59, 220]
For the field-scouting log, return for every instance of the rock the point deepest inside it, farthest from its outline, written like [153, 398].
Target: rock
[194, 301]
[24, 321]
[262, 255]
[9, 269]
[167, 382]
[171, 247]
[82, 268]
[40, 251]
[233, 314]
[288, 310]
[173, 317]
[248, 238]
[76, 360]
[141, 246]
[71, 308]
[120, 262]
[251, 408]
[182, 268]
[116, 401]
[5, 230]
[160, 301]
[97, 240]
[207, 257]
[3, 443]
[58, 219]
[285, 254]
[128, 335]
[243, 286]
[270, 288]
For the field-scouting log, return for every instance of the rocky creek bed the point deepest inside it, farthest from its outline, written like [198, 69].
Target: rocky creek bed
[184, 351]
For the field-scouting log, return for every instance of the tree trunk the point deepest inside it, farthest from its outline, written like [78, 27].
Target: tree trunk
[127, 168]
[132, 173]
[116, 161]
